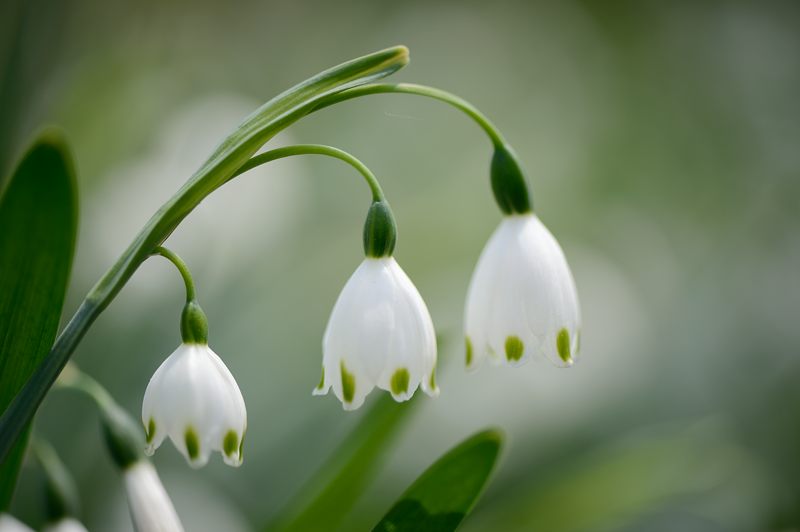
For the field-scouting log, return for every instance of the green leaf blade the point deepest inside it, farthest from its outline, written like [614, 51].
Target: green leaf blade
[348, 470]
[440, 499]
[38, 224]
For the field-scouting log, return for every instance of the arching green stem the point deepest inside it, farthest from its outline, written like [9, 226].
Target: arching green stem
[509, 184]
[275, 115]
[380, 229]
[122, 434]
[194, 324]
[315, 149]
[183, 269]
[74, 379]
[419, 90]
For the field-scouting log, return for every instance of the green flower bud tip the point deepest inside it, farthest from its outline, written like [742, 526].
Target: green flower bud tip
[514, 348]
[194, 325]
[562, 345]
[380, 231]
[400, 381]
[231, 443]
[192, 443]
[348, 384]
[150, 431]
[122, 435]
[508, 182]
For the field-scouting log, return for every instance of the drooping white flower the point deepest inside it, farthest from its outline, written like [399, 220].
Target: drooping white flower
[65, 524]
[379, 334]
[9, 523]
[522, 297]
[151, 507]
[194, 399]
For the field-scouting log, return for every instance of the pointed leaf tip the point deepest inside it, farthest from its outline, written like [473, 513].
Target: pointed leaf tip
[440, 499]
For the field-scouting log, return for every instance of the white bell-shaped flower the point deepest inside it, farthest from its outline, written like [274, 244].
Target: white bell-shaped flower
[151, 507]
[522, 297]
[380, 333]
[194, 399]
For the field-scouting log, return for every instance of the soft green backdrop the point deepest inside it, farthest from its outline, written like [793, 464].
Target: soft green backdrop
[661, 139]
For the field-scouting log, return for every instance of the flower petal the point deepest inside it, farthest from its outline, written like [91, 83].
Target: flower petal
[379, 333]
[194, 399]
[151, 507]
[522, 297]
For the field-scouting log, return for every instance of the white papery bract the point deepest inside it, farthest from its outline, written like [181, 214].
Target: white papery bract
[151, 507]
[380, 333]
[522, 297]
[65, 524]
[9, 523]
[194, 399]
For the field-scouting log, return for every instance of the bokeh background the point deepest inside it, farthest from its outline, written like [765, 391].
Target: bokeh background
[662, 140]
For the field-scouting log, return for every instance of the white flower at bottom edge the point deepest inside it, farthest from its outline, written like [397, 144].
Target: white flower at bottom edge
[65, 524]
[194, 399]
[522, 298]
[379, 334]
[9, 523]
[150, 506]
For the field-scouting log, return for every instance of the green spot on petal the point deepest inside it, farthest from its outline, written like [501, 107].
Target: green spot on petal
[400, 381]
[321, 379]
[230, 443]
[514, 348]
[469, 350]
[432, 381]
[241, 448]
[150, 431]
[192, 443]
[348, 384]
[562, 345]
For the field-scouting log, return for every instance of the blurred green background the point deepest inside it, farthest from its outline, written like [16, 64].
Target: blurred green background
[662, 140]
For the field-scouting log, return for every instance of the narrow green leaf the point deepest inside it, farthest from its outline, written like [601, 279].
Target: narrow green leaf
[440, 499]
[325, 501]
[38, 221]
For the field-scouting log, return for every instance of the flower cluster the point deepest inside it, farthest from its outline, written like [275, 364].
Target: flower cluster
[521, 301]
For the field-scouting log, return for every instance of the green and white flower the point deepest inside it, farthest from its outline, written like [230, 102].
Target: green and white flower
[522, 298]
[379, 334]
[194, 399]
[151, 507]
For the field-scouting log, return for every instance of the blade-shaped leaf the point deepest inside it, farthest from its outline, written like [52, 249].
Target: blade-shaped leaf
[440, 499]
[345, 474]
[38, 221]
